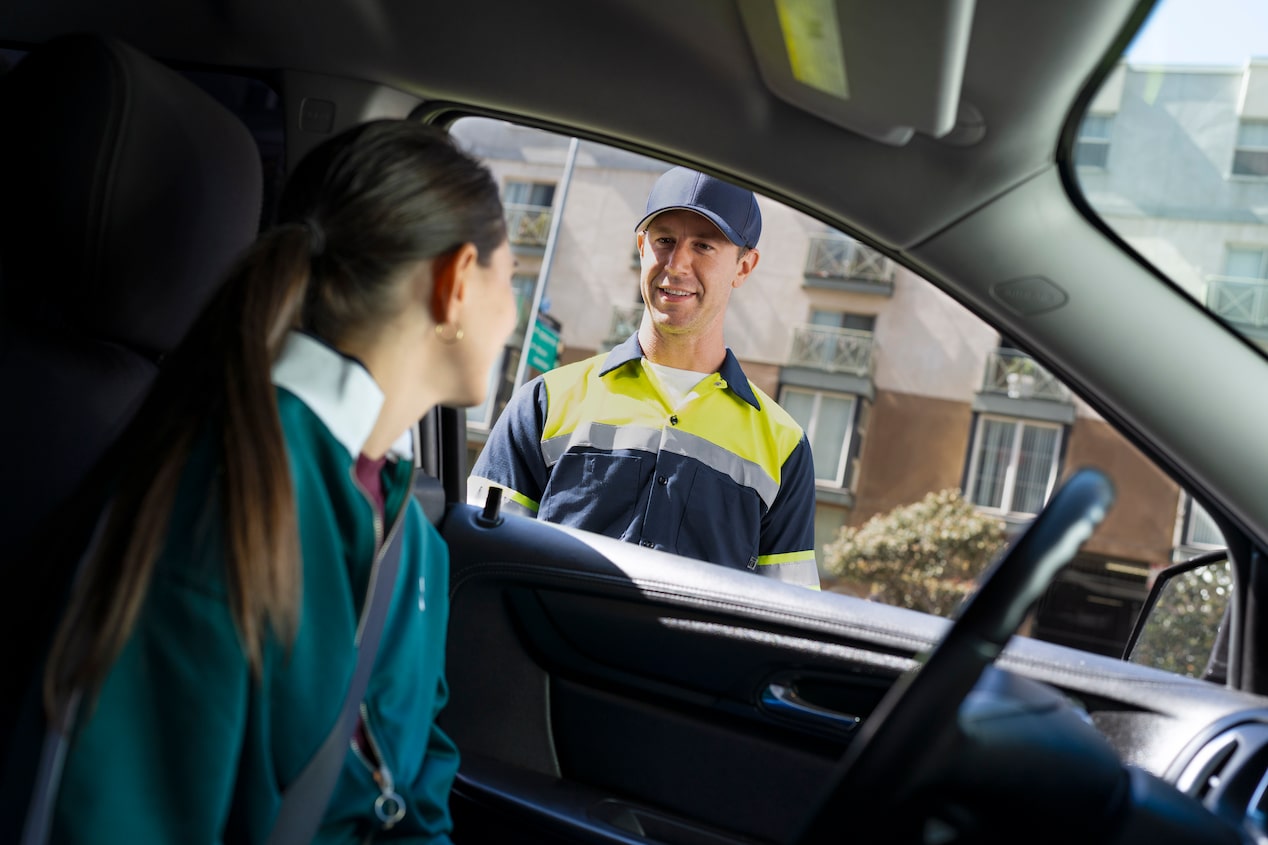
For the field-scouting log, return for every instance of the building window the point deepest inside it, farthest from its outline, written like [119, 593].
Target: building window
[1091, 148]
[1014, 464]
[843, 320]
[1246, 262]
[828, 420]
[539, 194]
[1200, 531]
[1250, 157]
[528, 206]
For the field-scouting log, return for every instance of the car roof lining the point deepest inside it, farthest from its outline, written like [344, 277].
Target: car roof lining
[702, 44]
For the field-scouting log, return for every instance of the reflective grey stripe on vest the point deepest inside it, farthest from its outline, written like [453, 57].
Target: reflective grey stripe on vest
[513, 507]
[803, 573]
[601, 436]
[635, 438]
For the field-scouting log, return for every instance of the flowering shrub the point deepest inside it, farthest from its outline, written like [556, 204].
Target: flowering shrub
[926, 555]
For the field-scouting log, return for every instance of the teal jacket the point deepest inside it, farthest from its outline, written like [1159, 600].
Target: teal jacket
[183, 745]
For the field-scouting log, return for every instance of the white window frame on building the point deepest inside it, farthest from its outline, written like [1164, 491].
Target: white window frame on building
[841, 475]
[1199, 532]
[1257, 255]
[1008, 493]
[539, 194]
[1091, 147]
[1250, 151]
[843, 319]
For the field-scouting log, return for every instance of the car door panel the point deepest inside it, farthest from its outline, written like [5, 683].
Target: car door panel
[582, 666]
[599, 689]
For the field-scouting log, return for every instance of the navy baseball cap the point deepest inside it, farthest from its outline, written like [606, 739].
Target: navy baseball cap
[730, 208]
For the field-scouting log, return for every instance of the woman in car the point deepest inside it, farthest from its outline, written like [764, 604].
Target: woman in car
[212, 635]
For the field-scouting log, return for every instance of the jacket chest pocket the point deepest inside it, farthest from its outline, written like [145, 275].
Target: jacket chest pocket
[595, 492]
[721, 521]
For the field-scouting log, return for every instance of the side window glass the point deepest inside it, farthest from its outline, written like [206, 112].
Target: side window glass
[935, 439]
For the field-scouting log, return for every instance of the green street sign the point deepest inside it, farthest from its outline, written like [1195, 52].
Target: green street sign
[543, 348]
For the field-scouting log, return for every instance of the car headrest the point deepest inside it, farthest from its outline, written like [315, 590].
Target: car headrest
[128, 193]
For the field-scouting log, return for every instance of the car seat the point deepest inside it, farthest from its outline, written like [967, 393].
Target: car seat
[125, 195]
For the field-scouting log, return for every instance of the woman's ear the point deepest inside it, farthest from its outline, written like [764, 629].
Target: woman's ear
[449, 283]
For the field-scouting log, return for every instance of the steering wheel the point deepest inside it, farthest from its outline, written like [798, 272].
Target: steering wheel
[916, 720]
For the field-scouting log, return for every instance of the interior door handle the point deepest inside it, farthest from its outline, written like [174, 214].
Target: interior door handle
[782, 700]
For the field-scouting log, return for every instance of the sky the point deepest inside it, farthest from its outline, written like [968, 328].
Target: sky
[1203, 32]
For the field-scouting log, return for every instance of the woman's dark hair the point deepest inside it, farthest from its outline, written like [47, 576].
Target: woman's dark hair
[359, 209]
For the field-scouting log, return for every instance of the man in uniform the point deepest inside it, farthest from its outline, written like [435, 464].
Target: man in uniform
[664, 441]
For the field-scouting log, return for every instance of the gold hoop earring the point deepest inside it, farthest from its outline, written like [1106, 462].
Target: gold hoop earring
[452, 338]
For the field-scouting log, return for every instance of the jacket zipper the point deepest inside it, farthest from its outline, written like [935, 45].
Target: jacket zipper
[389, 807]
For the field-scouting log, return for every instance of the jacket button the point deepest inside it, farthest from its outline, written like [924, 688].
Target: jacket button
[662, 481]
[647, 544]
[673, 420]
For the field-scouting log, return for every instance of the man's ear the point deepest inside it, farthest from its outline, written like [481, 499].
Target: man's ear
[746, 265]
[449, 275]
[639, 237]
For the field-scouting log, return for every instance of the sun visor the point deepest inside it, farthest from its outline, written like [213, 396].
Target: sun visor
[882, 68]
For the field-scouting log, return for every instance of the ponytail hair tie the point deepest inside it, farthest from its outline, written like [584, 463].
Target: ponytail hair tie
[316, 237]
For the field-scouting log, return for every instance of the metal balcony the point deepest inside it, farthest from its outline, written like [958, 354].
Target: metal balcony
[837, 257]
[1018, 376]
[1238, 300]
[832, 350]
[624, 321]
[527, 225]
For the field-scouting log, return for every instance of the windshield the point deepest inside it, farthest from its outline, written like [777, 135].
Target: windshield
[1172, 153]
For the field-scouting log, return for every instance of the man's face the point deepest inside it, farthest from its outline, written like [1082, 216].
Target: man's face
[689, 271]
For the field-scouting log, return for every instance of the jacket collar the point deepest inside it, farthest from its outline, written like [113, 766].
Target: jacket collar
[731, 372]
[337, 388]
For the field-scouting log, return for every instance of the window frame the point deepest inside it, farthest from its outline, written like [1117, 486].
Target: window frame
[844, 479]
[1085, 141]
[1255, 150]
[1192, 513]
[530, 185]
[1008, 494]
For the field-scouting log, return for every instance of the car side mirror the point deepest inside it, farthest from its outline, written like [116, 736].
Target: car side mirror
[1183, 625]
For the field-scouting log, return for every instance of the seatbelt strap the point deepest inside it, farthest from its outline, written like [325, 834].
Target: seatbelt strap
[305, 800]
[430, 494]
[37, 827]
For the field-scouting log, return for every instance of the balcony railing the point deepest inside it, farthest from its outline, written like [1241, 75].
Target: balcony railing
[1018, 376]
[624, 321]
[527, 225]
[832, 350]
[836, 257]
[1238, 300]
